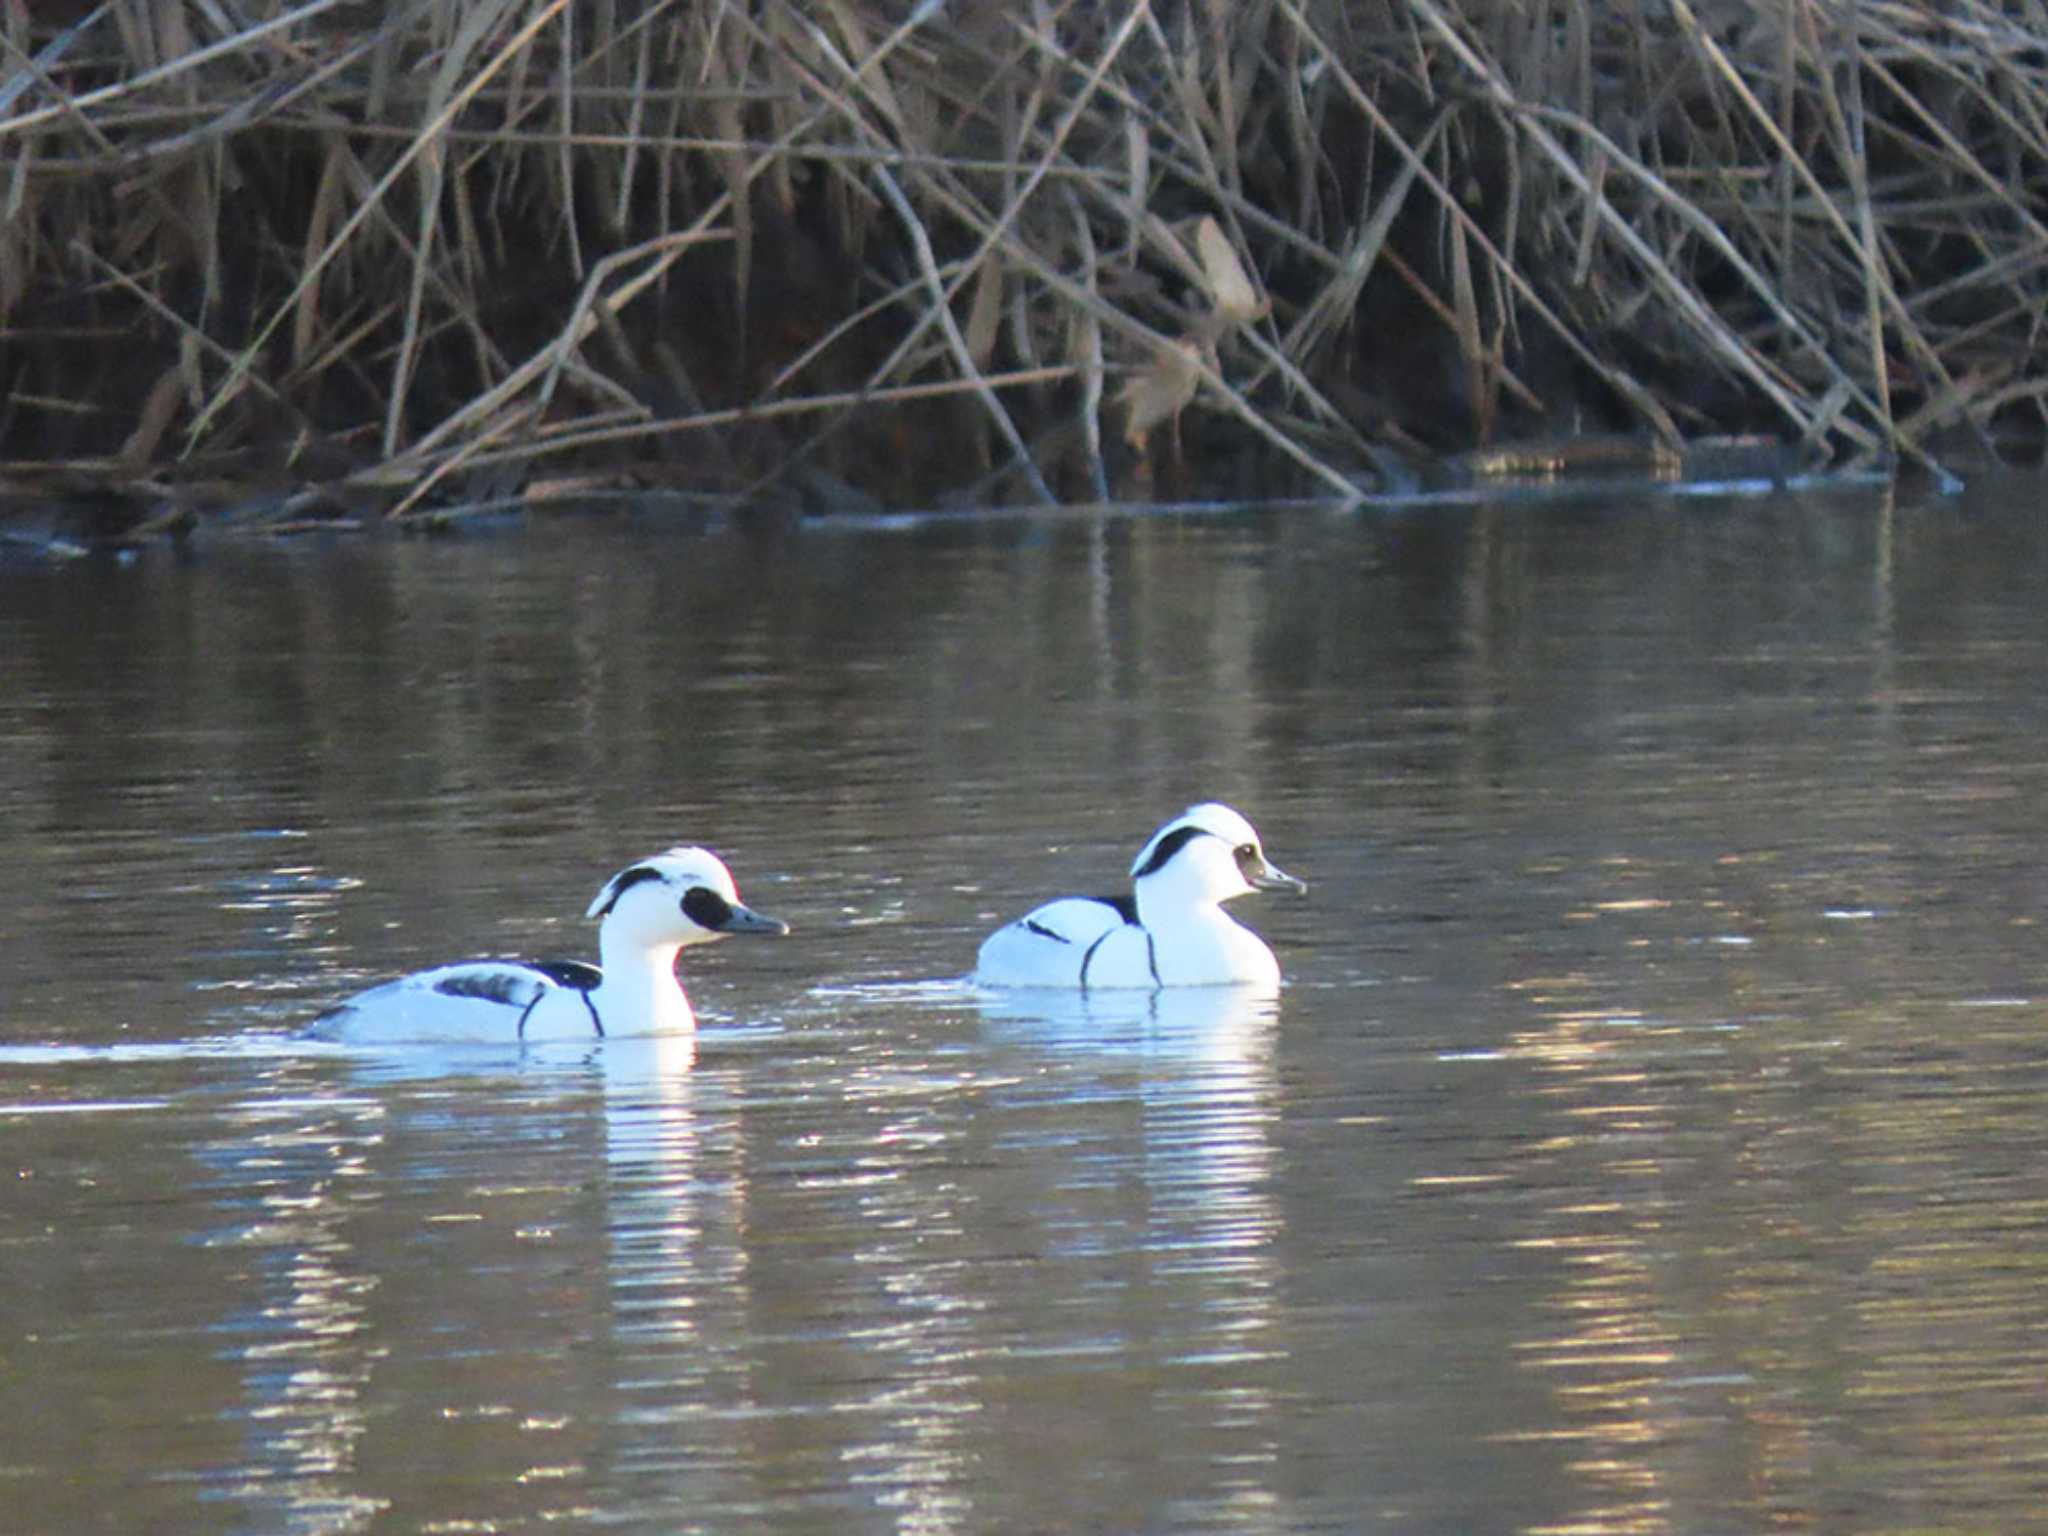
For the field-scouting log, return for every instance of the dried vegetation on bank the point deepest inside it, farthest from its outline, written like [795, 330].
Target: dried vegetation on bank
[298, 261]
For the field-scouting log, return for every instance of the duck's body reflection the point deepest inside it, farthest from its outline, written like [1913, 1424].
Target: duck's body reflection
[425, 1230]
[1217, 1023]
[888, 1237]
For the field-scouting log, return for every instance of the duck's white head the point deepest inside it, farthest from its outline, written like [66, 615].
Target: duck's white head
[1208, 853]
[683, 896]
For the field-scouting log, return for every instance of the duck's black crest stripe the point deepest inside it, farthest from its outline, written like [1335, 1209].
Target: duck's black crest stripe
[624, 881]
[1169, 845]
[706, 908]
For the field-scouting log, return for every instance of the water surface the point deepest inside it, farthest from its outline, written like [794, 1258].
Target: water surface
[1649, 1138]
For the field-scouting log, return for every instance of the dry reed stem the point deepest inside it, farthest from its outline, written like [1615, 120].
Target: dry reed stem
[963, 355]
[1087, 343]
[581, 435]
[1684, 299]
[1525, 290]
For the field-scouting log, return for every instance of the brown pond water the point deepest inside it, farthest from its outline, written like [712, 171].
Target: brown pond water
[1653, 1136]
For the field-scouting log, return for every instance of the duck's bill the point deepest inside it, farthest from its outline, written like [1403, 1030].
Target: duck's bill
[1271, 877]
[741, 919]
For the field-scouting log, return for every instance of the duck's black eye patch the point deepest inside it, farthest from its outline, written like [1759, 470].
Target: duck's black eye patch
[624, 881]
[1169, 845]
[1249, 860]
[706, 908]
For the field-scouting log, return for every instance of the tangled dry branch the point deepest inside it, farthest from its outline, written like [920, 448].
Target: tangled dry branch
[317, 256]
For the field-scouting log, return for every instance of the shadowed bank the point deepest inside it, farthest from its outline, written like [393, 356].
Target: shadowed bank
[286, 264]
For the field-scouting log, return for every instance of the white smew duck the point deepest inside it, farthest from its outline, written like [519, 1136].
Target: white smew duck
[646, 913]
[1171, 931]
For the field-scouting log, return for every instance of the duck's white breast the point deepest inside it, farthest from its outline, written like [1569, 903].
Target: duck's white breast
[1216, 952]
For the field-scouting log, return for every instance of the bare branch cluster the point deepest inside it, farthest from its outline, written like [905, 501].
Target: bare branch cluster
[334, 255]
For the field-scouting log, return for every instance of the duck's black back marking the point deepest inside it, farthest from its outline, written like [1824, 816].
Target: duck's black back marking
[706, 908]
[507, 987]
[1089, 958]
[1169, 845]
[1126, 905]
[1151, 956]
[577, 977]
[527, 1012]
[523, 984]
[1046, 933]
[579, 974]
[624, 881]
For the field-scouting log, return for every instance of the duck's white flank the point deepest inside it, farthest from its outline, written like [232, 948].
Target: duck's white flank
[1171, 931]
[647, 914]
